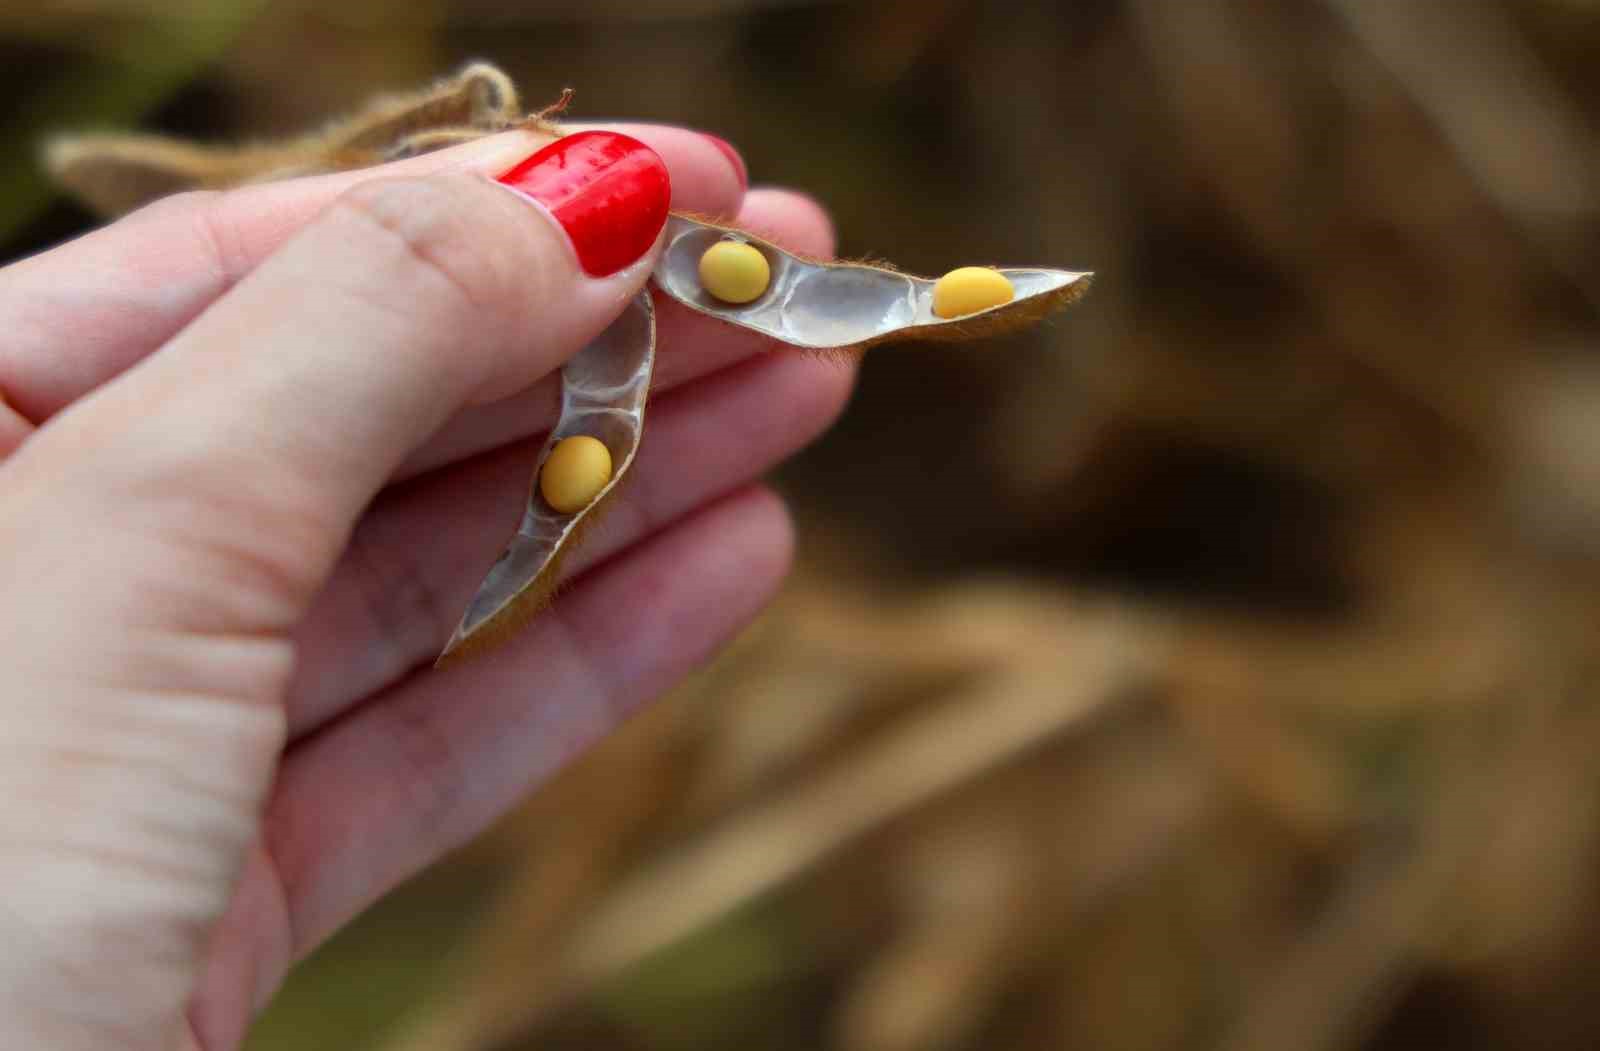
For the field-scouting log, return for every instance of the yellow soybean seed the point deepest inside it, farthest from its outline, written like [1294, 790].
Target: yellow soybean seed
[970, 289]
[734, 272]
[575, 472]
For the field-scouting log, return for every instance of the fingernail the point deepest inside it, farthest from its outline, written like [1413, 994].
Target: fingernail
[733, 158]
[609, 192]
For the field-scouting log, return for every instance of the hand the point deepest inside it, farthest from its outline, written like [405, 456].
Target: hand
[258, 450]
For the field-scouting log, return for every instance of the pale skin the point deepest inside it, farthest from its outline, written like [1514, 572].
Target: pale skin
[258, 449]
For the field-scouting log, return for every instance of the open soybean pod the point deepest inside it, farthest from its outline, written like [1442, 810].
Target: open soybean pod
[850, 306]
[604, 389]
[800, 302]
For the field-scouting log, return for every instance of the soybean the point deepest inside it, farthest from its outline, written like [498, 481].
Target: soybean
[574, 473]
[735, 272]
[970, 289]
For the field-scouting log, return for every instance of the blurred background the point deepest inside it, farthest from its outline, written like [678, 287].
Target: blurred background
[1215, 666]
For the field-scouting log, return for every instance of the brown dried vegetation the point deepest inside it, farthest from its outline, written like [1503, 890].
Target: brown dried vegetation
[1262, 713]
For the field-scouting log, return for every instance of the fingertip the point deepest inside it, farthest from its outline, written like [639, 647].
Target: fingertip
[813, 389]
[760, 532]
[734, 159]
[609, 192]
[834, 384]
[704, 180]
[791, 219]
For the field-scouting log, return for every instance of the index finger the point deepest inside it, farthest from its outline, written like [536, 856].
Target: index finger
[80, 314]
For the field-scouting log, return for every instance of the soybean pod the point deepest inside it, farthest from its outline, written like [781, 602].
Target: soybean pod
[743, 280]
[604, 389]
[848, 306]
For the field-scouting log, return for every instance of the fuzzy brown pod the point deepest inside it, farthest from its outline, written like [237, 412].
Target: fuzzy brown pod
[843, 307]
[114, 173]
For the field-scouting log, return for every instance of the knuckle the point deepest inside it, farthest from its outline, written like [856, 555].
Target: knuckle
[408, 615]
[217, 231]
[205, 219]
[180, 204]
[432, 772]
[439, 231]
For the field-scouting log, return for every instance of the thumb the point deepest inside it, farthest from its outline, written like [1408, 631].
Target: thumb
[295, 396]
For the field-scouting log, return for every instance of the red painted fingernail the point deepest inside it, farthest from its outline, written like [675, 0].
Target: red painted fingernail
[609, 193]
[733, 158]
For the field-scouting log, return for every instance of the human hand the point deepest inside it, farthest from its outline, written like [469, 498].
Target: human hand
[258, 449]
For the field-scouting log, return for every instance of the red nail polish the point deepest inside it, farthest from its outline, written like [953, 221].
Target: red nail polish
[608, 191]
[733, 158]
